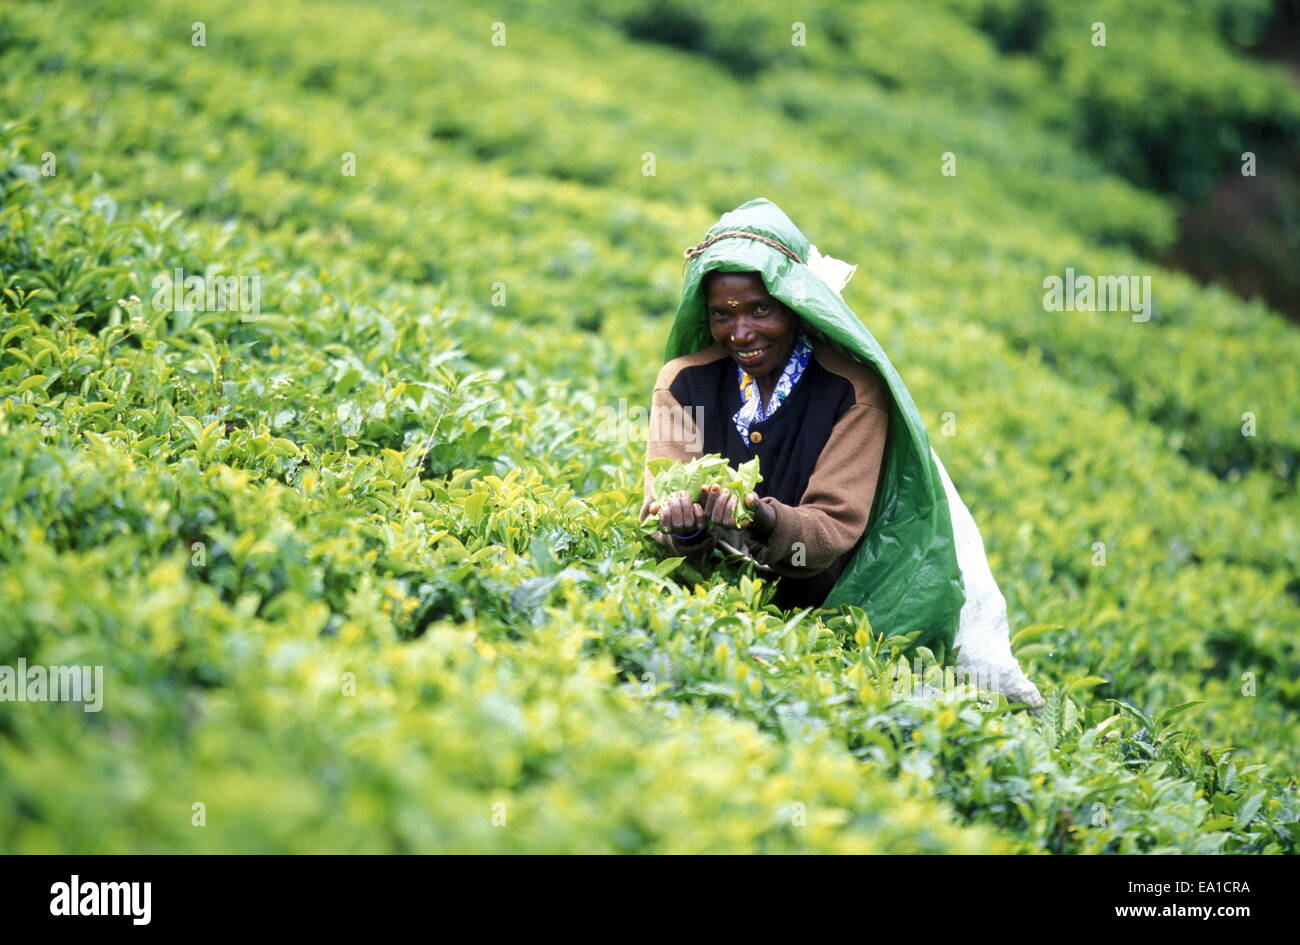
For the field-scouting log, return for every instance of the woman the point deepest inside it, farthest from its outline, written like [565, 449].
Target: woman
[766, 359]
[817, 420]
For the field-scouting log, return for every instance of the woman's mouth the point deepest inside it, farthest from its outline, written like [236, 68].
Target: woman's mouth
[752, 355]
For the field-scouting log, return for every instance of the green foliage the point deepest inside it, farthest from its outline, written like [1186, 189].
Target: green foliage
[1165, 101]
[359, 570]
[704, 472]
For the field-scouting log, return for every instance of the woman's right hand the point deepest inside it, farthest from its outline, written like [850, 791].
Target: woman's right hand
[678, 515]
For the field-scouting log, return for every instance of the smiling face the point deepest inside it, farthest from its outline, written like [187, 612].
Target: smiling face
[757, 329]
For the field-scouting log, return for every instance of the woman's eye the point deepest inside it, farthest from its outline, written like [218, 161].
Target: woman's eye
[761, 308]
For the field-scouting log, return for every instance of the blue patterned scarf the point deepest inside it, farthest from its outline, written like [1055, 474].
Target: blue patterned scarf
[752, 408]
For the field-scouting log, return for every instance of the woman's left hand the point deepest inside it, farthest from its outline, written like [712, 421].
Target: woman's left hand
[720, 509]
[764, 518]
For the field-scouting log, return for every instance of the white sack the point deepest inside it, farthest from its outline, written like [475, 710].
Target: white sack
[983, 634]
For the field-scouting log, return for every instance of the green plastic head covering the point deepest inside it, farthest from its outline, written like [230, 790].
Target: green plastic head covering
[905, 573]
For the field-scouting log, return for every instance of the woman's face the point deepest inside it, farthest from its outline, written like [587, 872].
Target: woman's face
[758, 330]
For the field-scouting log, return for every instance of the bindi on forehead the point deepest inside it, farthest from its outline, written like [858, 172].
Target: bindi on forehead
[721, 303]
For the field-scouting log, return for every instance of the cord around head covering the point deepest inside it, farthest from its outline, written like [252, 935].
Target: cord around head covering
[834, 272]
[705, 243]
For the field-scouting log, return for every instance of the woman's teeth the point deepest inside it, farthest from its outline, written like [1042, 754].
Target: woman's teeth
[751, 355]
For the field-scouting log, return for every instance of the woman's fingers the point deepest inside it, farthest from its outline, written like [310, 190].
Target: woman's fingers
[764, 518]
[724, 514]
[681, 515]
[711, 503]
[718, 505]
[674, 512]
[665, 511]
[697, 516]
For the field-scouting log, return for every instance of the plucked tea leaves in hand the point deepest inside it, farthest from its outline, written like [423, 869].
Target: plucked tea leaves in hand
[672, 476]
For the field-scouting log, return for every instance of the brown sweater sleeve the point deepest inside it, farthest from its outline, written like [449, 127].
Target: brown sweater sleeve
[673, 434]
[836, 505]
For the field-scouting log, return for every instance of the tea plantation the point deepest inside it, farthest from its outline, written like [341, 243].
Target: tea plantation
[360, 563]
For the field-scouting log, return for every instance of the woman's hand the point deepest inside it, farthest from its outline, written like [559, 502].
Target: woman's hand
[678, 515]
[720, 508]
[764, 517]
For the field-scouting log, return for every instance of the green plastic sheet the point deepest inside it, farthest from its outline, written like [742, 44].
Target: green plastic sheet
[905, 573]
